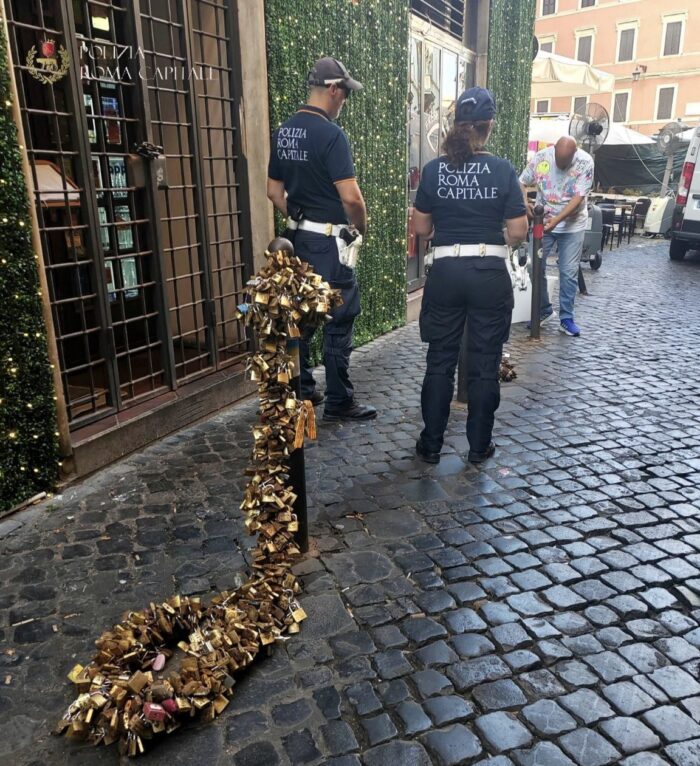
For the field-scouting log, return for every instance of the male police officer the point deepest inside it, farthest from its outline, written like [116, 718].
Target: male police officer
[311, 178]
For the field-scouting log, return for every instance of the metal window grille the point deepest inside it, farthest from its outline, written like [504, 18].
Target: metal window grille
[63, 190]
[672, 41]
[664, 109]
[184, 252]
[542, 107]
[626, 51]
[217, 137]
[143, 282]
[549, 7]
[587, 3]
[110, 98]
[447, 15]
[547, 47]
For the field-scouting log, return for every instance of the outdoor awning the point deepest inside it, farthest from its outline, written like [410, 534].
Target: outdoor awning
[548, 130]
[687, 135]
[554, 75]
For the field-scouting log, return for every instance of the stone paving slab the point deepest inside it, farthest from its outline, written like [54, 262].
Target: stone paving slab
[541, 609]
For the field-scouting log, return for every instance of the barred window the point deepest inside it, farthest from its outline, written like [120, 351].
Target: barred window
[447, 15]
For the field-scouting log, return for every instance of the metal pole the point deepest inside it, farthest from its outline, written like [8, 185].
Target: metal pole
[462, 367]
[297, 463]
[537, 266]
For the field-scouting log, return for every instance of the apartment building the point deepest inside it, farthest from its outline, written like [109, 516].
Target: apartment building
[652, 48]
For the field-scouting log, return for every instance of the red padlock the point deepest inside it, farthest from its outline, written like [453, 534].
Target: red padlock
[170, 706]
[154, 712]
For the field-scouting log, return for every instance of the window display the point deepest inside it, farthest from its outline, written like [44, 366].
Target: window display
[117, 177]
[90, 110]
[110, 109]
[130, 279]
[125, 234]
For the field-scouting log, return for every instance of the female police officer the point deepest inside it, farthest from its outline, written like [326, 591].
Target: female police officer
[464, 198]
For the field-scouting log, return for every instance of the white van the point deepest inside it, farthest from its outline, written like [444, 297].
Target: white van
[685, 231]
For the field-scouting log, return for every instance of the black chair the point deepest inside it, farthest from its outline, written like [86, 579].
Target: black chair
[608, 212]
[639, 214]
[620, 223]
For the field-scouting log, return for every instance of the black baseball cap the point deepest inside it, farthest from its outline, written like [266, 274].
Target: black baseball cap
[328, 70]
[475, 105]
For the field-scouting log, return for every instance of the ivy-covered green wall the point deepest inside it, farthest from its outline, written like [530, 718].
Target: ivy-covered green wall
[370, 37]
[28, 447]
[509, 69]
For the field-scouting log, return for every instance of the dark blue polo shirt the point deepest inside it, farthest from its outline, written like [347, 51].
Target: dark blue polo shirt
[469, 204]
[309, 154]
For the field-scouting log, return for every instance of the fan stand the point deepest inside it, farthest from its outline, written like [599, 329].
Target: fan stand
[667, 174]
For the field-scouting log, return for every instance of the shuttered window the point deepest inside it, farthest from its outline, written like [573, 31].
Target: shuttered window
[626, 50]
[664, 110]
[584, 48]
[620, 107]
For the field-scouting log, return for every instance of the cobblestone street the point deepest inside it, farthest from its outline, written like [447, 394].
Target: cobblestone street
[540, 610]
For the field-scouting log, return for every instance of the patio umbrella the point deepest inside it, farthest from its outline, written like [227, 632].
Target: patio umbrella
[554, 75]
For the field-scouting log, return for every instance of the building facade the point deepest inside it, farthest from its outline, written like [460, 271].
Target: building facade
[146, 187]
[652, 48]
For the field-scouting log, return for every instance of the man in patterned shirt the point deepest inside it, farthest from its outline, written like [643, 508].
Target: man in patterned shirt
[563, 176]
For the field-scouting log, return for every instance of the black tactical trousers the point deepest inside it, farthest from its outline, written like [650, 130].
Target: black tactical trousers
[478, 290]
[322, 253]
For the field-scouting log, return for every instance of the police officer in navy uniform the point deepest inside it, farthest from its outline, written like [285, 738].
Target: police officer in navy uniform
[471, 203]
[311, 180]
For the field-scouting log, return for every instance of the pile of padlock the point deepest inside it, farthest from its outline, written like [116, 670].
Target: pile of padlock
[123, 694]
[507, 372]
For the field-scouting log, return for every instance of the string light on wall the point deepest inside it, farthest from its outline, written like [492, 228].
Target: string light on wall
[28, 444]
[510, 76]
[371, 38]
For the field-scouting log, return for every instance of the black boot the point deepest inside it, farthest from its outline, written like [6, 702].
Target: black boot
[479, 457]
[351, 411]
[424, 455]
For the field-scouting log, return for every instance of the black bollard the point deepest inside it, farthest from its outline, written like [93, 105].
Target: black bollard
[462, 367]
[297, 463]
[537, 266]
